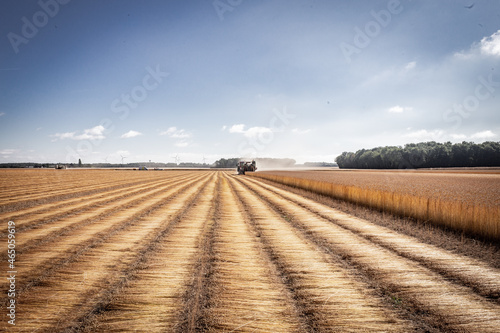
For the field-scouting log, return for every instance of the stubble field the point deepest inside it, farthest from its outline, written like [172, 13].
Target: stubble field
[186, 251]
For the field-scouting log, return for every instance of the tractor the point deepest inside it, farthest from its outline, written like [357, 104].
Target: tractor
[246, 166]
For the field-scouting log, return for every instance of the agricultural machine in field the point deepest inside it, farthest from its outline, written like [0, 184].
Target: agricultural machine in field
[246, 166]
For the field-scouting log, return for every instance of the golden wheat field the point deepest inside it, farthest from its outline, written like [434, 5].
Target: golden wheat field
[467, 201]
[210, 251]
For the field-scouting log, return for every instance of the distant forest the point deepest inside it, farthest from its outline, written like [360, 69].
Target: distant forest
[423, 155]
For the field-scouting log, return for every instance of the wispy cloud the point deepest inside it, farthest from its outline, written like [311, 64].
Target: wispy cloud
[399, 109]
[251, 132]
[441, 135]
[411, 65]
[425, 135]
[7, 152]
[484, 135]
[491, 45]
[458, 136]
[299, 131]
[488, 46]
[181, 136]
[2, 114]
[131, 134]
[94, 133]
[173, 132]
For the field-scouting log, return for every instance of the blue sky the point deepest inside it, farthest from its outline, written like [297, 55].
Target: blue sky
[303, 79]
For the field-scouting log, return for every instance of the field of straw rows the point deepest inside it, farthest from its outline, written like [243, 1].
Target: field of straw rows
[186, 251]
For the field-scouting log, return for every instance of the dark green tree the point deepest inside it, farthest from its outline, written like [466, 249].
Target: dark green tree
[423, 155]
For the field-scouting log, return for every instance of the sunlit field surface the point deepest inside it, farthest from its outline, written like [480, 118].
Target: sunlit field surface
[207, 250]
[464, 200]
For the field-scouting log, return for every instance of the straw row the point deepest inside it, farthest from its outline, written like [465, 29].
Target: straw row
[38, 260]
[83, 285]
[475, 273]
[45, 213]
[330, 295]
[153, 300]
[43, 231]
[452, 307]
[72, 182]
[80, 201]
[245, 293]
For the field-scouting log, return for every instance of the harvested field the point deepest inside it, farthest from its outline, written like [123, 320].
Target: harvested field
[464, 201]
[209, 251]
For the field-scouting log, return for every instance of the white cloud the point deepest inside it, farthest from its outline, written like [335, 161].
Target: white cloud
[180, 134]
[7, 152]
[94, 133]
[440, 135]
[298, 131]
[483, 135]
[411, 65]
[491, 45]
[131, 134]
[223, 128]
[2, 114]
[240, 128]
[399, 109]
[252, 132]
[62, 136]
[425, 135]
[458, 136]
[173, 132]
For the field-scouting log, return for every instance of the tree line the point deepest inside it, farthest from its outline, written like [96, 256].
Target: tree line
[423, 155]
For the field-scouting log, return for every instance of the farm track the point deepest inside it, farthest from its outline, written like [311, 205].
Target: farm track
[450, 306]
[84, 285]
[193, 251]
